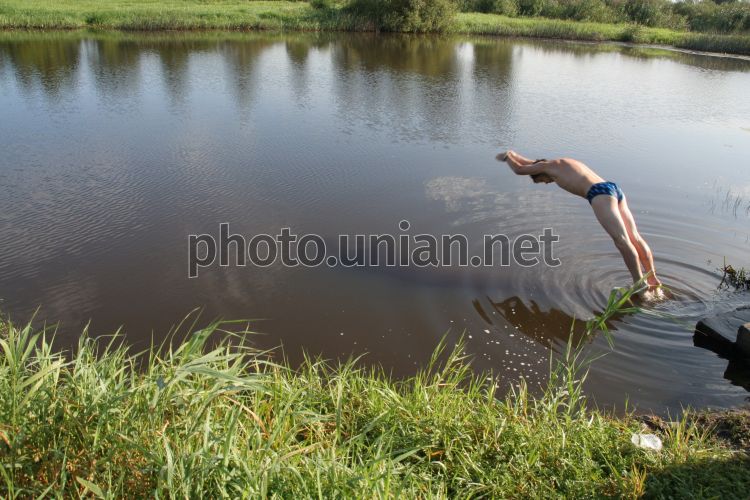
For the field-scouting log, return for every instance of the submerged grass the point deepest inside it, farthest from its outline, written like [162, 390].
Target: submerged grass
[207, 419]
[155, 15]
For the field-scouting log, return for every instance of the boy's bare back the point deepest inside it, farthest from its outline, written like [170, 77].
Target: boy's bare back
[571, 175]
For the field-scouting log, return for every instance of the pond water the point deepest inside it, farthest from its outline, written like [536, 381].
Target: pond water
[114, 148]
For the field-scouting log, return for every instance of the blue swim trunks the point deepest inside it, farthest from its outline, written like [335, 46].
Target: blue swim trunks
[608, 188]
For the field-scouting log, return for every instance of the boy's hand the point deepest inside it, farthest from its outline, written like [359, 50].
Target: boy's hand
[503, 156]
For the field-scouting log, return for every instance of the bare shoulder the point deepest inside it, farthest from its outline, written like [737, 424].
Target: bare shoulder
[576, 168]
[573, 165]
[560, 165]
[571, 162]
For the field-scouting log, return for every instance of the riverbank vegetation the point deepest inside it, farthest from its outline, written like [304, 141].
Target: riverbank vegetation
[694, 15]
[212, 417]
[709, 26]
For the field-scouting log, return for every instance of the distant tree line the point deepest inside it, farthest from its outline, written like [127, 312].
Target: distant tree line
[719, 16]
[708, 16]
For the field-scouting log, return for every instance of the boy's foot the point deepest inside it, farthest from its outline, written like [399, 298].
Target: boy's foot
[652, 294]
[652, 280]
[655, 285]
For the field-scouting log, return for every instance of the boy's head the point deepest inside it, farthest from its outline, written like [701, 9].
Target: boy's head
[539, 178]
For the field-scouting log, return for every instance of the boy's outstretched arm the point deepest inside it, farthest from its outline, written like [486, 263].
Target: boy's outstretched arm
[518, 167]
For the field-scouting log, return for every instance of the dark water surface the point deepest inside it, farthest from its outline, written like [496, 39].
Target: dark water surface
[114, 148]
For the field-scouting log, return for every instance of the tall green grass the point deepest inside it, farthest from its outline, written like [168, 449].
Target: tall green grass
[214, 417]
[149, 15]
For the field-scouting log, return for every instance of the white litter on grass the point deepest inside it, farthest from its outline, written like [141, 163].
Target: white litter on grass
[646, 441]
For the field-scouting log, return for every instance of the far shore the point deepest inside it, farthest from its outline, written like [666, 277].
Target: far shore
[235, 15]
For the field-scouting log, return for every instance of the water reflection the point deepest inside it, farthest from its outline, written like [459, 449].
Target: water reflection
[737, 370]
[174, 60]
[551, 328]
[115, 65]
[729, 199]
[51, 63]
[241, 60]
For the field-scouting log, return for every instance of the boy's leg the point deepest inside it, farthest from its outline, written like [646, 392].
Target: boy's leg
[644, 251]
[608, 213]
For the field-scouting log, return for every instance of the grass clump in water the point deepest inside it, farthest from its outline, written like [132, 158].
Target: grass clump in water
[207, 419]
[738, 279]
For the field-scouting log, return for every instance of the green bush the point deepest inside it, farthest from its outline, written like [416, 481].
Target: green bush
[412, 16]
[506, 7]
[502, 7]
[580, 10]
[322, 4]
[651, 13]
[531, 7]
[733, 17]
[707, 16]
[472, 5]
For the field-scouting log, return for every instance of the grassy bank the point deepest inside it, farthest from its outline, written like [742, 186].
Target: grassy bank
[279, 15]
[489, 24]
[147, 15]
[204, 419]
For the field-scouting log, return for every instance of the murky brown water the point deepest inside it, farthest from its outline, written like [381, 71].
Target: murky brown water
[115, 147]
